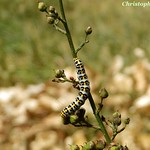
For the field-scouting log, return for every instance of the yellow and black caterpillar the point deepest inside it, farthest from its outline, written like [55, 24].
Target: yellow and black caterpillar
[84, 86]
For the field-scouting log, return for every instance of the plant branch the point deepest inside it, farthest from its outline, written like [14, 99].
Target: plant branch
[59, 29]
[99, 120]
[82, 44]
[74, 54]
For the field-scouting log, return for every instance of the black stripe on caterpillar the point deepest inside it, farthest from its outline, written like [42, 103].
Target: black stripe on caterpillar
[84, 87]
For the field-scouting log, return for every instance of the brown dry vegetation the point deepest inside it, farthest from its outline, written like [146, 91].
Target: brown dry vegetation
[30, 115]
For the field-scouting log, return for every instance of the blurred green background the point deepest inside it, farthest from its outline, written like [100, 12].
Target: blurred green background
[30, 49]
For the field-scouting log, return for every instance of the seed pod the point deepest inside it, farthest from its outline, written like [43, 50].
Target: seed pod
[117, 121]
[50, 20]
[127, 121]
[88, 30]
[117, 115]
[51, 9]
[59, 73]
[103, 93]
[42, 6]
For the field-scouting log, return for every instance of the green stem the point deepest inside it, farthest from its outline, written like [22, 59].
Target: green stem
[74, 54]
[99, 120]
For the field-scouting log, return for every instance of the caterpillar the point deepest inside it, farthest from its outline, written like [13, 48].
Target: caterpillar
[84, 86]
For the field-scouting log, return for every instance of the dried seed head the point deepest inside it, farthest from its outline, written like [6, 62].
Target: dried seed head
[42, 6]
[88, 30]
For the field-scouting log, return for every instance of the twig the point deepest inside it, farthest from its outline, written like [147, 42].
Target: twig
[74, 54]
[59, 29]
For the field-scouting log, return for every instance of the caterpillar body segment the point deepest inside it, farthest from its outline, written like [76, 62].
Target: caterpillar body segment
[84, 87]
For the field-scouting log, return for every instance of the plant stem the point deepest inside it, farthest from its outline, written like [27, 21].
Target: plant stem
[99, 120]
[74, 54]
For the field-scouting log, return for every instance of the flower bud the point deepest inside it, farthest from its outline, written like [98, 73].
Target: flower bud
[117, 121]
[88, 30]
[54, 80]
[117, 118]
[117, 115]
[59, 73]
[127, 121]
[72, 78]
[103, 93]
[50, 20]
[42, 6]
[51, 9]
